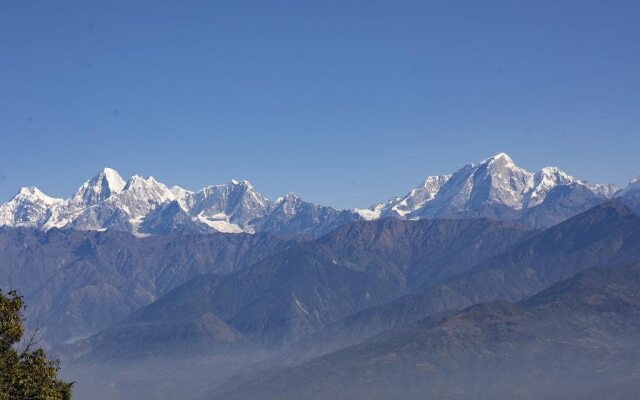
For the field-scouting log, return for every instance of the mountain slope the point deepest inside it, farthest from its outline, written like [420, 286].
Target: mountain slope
[608, 234]
[418, 253]
[77, 283]
[180, 322]
[577, 339]
[276, 300]
[311, 285]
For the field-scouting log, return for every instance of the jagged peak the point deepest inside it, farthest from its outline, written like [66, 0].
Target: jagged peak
[213, 187]
[33, 192]
[115, 181]
[107, 171]
[180, 190]
[499, 156]
[137, 181]
[232, 184]
[550, 171]
[554, 172]
[289, 203]
[29, 191]
[287, 198]
[243, 183]
[105, 183]
[136, 178]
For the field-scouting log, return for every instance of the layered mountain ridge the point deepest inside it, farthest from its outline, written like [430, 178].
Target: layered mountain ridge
[495, 188]
[576, 339]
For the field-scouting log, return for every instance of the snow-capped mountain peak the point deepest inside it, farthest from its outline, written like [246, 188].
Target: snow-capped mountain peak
[554, 173]
[497, 188]
[106, 183]
[290, 197]
[28, 208]
[496, 180]
[494, 188]
[145, 206]
[179, 191]
[289, 203]
[543, 182]
[242, 183]
[149, 188]
[140, 195]
[28, 191]
[34, 194]
[499, 157]
[115, 181]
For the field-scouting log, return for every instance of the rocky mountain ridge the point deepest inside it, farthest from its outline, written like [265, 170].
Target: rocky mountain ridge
[496, 188]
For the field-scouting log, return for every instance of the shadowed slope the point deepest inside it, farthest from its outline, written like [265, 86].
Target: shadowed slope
[577, 339]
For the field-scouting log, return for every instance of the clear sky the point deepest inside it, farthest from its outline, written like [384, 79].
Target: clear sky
[345, 103]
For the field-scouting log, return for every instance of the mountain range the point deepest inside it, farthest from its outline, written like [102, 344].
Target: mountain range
[494, 188]
[145, 206]
[492, 282]
[317, 298]
[497, 188]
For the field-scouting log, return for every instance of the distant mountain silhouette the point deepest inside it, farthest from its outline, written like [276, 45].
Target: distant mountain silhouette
[578, 339]
[77, 283]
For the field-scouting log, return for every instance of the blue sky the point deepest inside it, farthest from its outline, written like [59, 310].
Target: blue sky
[345, 103]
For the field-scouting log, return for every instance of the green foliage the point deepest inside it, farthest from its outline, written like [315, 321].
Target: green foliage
[25, 374]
